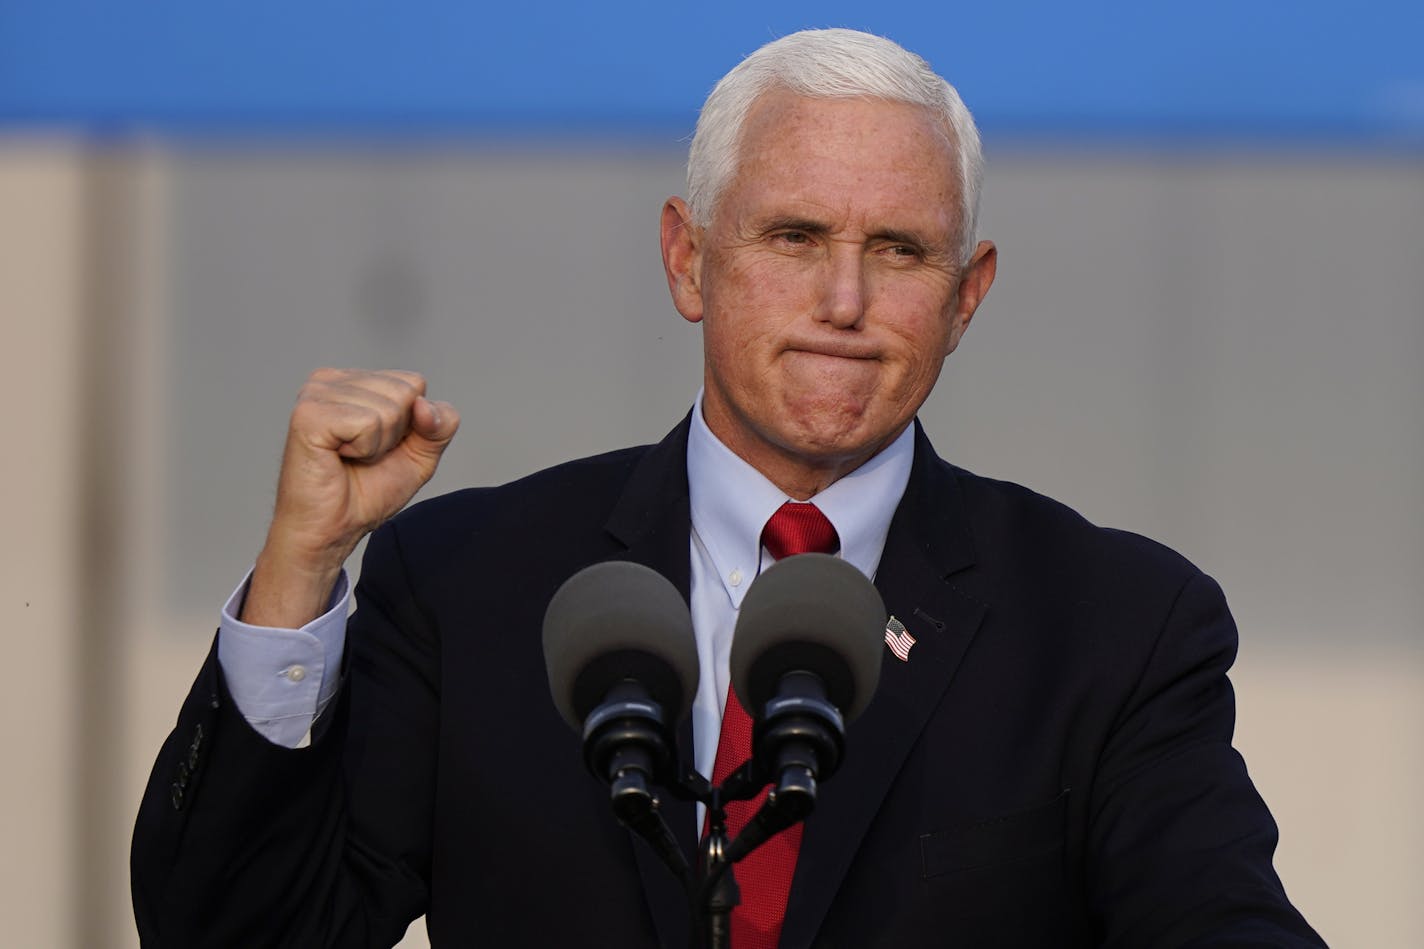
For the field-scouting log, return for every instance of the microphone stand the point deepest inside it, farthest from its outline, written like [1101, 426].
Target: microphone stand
[802, 735]
[712, 891]
[715, 894]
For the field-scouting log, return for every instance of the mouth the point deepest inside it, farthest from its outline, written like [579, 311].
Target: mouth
[842, 368]
[835, 351]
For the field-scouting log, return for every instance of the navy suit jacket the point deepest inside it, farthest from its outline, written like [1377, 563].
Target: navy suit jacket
[1052, 766]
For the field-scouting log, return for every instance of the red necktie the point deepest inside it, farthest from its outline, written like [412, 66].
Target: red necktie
[764, 876]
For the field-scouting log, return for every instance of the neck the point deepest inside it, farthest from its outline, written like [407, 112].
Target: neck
[800, 481]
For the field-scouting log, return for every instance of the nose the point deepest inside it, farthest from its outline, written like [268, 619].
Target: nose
[843, 296]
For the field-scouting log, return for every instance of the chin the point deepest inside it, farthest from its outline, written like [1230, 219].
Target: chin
[829, 445]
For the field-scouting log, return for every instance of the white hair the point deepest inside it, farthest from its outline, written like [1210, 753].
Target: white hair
[828, 64]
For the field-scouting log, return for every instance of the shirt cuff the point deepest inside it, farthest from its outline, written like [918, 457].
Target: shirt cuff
[282, 679]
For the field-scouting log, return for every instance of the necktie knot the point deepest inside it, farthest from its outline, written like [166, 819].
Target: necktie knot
[799, 528]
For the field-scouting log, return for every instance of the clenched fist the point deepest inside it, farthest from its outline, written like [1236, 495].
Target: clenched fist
[359, 446]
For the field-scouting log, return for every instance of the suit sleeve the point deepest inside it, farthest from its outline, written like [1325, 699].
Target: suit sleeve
[241, 842]
[1180, 842]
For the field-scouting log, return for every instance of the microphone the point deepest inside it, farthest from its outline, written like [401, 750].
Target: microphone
[805, 662]
[623, 671]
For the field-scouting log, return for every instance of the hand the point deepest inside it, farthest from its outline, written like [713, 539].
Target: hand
[359, 446]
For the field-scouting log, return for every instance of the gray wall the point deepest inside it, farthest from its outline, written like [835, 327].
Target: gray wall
[1222, 353]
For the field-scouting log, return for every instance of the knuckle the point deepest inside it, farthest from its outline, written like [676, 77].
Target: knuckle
[368, 418]
[382, 408]
[412, 380]
[365, 436]
[306, 411]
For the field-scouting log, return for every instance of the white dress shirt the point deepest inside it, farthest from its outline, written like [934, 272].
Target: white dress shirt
[281, 679]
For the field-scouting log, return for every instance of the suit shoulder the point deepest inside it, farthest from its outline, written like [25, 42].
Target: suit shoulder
[1011, 521]
[574, 492]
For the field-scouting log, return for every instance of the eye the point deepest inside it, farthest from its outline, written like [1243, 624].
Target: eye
[794, 238]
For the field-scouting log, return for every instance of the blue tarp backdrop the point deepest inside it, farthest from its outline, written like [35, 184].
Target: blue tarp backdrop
[1232, 69]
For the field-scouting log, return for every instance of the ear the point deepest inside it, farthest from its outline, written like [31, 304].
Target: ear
[682, 258]
[974, 284]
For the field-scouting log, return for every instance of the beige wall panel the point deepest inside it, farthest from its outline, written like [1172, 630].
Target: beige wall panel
[42, 189]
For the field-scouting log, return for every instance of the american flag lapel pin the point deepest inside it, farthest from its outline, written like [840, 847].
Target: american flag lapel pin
[898, 638]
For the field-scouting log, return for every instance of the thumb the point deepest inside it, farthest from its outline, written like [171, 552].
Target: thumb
[434, 422]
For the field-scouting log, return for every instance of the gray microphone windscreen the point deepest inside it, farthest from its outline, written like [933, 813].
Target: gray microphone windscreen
[613, 621]
[814, 613]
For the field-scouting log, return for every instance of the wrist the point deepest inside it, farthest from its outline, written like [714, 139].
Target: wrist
[287, 591]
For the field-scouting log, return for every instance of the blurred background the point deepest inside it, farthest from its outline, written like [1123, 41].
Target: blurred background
[1208, 327]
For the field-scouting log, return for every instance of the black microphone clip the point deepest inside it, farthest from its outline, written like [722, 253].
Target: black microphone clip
[625, 744]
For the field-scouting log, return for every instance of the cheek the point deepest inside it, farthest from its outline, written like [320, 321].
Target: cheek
[921, 322]
[766, 278]
[919, 291]
[756, 301]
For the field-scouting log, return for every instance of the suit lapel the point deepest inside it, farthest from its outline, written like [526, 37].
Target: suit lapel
[652, 519]
[928, 542]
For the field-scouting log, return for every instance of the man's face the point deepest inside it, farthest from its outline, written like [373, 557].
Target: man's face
[828, 283]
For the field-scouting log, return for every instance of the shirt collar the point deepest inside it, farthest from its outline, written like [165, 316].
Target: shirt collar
[731, 502]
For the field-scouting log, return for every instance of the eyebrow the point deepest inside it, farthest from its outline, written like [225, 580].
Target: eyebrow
[793, 223]
[895, 236]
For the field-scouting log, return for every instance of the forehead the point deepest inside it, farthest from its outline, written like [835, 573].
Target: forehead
[847, 157]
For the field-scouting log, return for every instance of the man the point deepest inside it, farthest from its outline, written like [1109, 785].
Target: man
[1049, 763]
